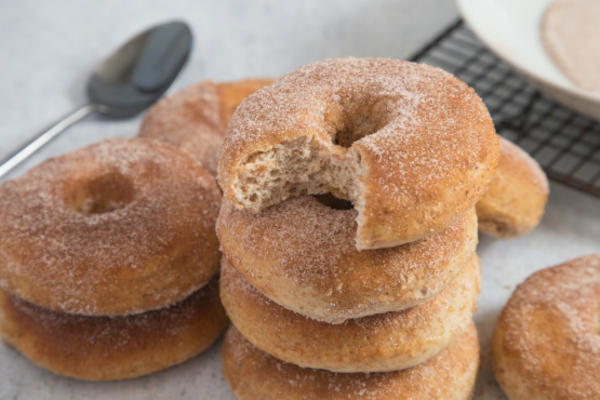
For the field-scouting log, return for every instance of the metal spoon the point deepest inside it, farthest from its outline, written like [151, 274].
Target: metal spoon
[127, 82]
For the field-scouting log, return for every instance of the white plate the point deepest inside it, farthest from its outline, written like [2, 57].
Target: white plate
[511, 29]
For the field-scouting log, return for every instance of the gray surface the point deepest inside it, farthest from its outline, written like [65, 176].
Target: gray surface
[48, 48]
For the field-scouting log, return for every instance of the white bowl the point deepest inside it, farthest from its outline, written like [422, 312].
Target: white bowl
[511, 29]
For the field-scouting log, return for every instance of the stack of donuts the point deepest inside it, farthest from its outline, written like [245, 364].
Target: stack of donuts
[108, 258]
[348, 231]
[348, 228]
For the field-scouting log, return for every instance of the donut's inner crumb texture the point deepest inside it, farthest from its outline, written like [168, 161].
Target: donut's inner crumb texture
[333, 202]
[101, 194]
[297, 167]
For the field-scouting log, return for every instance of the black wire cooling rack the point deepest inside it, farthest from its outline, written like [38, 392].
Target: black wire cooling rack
[565, 143]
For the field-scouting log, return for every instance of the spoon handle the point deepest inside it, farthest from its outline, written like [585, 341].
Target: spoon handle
[43, 138]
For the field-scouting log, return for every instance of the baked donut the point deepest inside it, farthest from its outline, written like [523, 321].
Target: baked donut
[411, 146]
[547, 341]
[382, 342]
[119, 227]
[194, 119]
[108, 348]
[232, 93]
[301, 254]
[514, 202]
[254, 375]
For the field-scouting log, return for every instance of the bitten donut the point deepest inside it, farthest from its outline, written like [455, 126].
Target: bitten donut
[514, 202]
[547, 340]
[195, 118]
[119, 227]
[254, 375]
[301, 254]
[108, 348]
[411, 146]
[382, 342]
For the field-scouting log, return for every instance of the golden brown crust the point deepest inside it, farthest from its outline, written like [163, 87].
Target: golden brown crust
[514, 202]
[104, 348]
[254, 375]
[189, 119]
[430, 159]
[231, 95]
[382, 342]
[195, 118]
[301, 255]
[547, 340]
[119, 227]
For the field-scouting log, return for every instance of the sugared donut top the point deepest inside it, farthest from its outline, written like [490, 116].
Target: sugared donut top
[551, 331]
[118, 227]
[410, 145]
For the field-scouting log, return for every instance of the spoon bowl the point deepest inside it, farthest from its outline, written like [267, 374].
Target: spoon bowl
[140, 71]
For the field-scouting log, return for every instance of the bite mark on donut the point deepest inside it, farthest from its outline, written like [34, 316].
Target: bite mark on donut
[298, 167]
[312, 166]
[101, 194]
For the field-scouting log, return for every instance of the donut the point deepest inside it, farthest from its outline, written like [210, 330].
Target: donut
[254, 375]
[546, 344]
[109, 348]
[301, 254]
[231, 95]
[514, 202]
[119, 227]
[410, 146]
[194, 119]
[381, 342]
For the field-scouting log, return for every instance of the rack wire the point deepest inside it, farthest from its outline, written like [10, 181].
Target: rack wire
[565, 143]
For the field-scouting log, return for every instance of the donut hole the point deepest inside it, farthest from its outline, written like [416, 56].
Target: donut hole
[362, 116]
[346, 136]
[355, 128]
[331, 201]
[102, 194]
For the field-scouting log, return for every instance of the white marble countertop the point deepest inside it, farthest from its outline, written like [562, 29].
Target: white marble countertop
[48, 48]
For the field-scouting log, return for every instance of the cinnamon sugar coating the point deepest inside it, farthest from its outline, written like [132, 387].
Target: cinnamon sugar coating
[232, 93]
[410, 145]
[119, 227]
[109, 348]
[301, 255]
[383, 342]
[547, 339]
[254, 375]
[195, 118]
[514, 202]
